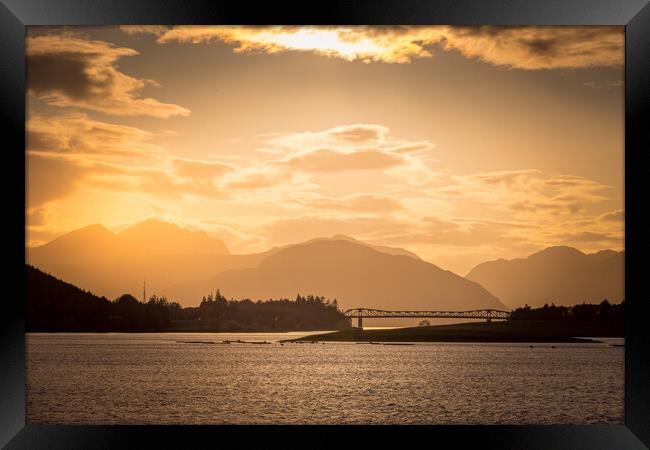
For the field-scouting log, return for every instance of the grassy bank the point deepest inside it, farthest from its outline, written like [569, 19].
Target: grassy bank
[510, 331]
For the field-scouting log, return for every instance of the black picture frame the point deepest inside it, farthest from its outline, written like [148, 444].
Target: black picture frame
[15, 15]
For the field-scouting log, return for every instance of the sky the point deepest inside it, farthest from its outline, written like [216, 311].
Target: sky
[461, 144]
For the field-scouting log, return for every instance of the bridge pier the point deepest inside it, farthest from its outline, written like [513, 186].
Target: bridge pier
[360, 323]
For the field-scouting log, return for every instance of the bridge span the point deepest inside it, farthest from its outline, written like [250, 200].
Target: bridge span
[486, 314]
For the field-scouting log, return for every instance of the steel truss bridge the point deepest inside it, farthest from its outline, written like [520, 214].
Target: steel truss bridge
[485, 314]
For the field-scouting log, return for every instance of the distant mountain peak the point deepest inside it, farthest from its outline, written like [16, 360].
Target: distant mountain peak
[153, 225]
[562, 275]
[558, 250]
[95, 226]
[97, 244]
[92, 232]
[325, 244]
[604, 252]
[343, 237]
[356, 274]
[380, 248]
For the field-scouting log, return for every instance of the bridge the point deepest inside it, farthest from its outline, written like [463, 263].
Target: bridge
[485, 314]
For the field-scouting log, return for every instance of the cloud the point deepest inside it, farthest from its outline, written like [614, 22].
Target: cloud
[613, 216]
[422, 147]
[603, 85]
[54, 175]
[254, 180]
[355, 179]
[359, 203]
[36, 216]
[155, 179]
[588, 232]
[76, 133]
[296, 161]
[548, 47]
[462, 232]
[234, 235]
[97, 155]
[531, 192]
[157, 30]
[50, 179]
[527, 47]
[328, 160]
[304, 227]
[359, 133]
[590, 237]
[67, 70]
[204, 170]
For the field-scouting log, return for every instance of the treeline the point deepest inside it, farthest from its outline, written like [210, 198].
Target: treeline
[54, 305]
[302, 313]
[585, 312]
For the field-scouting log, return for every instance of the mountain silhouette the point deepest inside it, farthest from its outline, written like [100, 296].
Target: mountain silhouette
[160, 253]
[54, 305]
[380, 248]
[355, 274]
[561, 275]
[109, 264]
[97, 244]
[341, 237]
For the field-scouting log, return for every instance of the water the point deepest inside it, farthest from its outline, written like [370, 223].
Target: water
[153, 379]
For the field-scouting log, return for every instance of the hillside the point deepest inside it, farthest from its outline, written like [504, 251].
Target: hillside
[56, 306]
[158, 253]
[356, 275]
[96, 244]
[560, 275]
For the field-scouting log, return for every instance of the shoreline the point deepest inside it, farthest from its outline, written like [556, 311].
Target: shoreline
[176, 331]
[519, 332]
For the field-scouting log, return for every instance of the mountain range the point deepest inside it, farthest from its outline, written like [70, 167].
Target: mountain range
[560, 275]
[110, 264]
[356, 275]
[187, 265]
[97, 244]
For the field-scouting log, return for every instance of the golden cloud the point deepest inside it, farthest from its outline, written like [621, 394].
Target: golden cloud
[292, 160]
[50, 179]
[368, 203]
[527, 47]
[76, 133]
[532, 192]
[328, 160]
[302, 228]
[67, 70]
[204, 170]
[353, 136]
[590, 233]
[297, 183]
[530, 47]
[149, 181]
[612, 216]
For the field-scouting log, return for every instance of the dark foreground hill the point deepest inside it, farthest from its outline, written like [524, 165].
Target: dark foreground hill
[56, 306]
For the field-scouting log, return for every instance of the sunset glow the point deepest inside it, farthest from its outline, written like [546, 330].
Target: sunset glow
[457, 144]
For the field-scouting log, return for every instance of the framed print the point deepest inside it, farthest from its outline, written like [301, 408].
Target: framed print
[309, 224]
